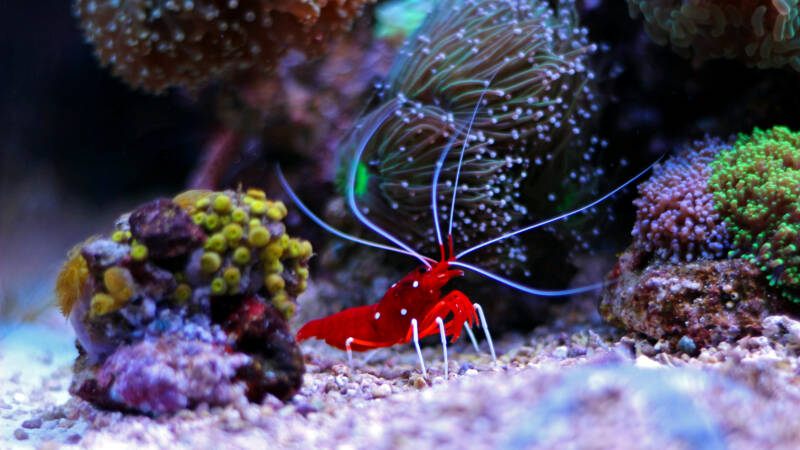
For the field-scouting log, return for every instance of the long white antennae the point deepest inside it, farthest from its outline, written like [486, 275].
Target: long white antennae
[463, 149]
[559, 217]
[351, 197]
[434, 192]
[307, 211]
[528, 289]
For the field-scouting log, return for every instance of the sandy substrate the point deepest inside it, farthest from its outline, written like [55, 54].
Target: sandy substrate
[581, 388]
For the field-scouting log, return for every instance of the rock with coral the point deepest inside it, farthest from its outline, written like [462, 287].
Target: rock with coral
[154, 45]
[761, 33]
[199, 285]
[689, 305]
[714, 236]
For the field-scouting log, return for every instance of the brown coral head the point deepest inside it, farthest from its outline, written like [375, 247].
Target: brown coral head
[155, 44]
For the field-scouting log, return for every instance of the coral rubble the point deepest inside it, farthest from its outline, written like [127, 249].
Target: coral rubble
[759, 32]
[187, 302]
[154, 44]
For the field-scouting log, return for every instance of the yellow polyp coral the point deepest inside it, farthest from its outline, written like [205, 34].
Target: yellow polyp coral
[119, 283]
[71, 280]
[200, 248]
[102, 304]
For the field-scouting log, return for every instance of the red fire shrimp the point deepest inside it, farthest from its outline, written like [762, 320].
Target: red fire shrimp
[414, 307]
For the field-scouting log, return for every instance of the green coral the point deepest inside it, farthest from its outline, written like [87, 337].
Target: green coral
[756, 187]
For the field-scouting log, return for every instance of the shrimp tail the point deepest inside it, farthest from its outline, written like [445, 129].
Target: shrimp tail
[338, 328]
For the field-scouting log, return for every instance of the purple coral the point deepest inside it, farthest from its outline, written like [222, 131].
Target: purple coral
[675, 217]
[169, 374]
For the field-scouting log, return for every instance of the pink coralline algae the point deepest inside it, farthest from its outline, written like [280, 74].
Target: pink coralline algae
[675, 217]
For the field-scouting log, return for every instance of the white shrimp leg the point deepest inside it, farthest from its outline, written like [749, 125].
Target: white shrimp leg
[471, 337]
[486, 330]
[416, 345]
[349, 351]
[440, 322]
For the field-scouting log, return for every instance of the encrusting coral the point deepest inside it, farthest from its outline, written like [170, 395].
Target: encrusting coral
[211, 272]
[525, 65]
[762, 33]
[675, 215]
[756, 187]
[154, 44]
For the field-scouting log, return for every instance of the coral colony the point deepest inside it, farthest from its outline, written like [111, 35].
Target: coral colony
[196, 290]
[715, 242]
[762, 33]
[154, 44]
[528, 129]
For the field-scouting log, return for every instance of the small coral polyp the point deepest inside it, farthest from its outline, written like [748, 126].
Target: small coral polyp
[154, 44]
[756, 188]
[207, 270]
[675, 216]
[762, 33]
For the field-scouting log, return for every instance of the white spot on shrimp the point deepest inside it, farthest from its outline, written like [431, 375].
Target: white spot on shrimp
[403, 312]
[377, 315]
[415, 284]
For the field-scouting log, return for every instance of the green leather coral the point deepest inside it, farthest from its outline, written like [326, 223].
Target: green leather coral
[756, 187]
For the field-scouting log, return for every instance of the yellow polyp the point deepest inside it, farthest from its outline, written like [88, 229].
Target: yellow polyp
[273, 267]
[217, 243]
[241, 256]
[275, 213]
[102, 304]
[255, 223]
[212, 222]
[203, 203]
[293, 248]
[302, 273]
[232, 276]
[180, 277]
[192, 198]
[239, 215]
[258, 207]
[274, 283]
[182, 293]
[224, 220]
[248, 201]
[282, 208]
[233, 233]
[273, 251]
[257, 194]
[199, 218]
[218, 286]
[138, 252]
[118, 236]
[71, 280]
[284, 240]
[210, 262]
[119, 283]
[222, 204]
[282, 303]
[302, 285]
[259, 236]
[128, 235]
[306, 250]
